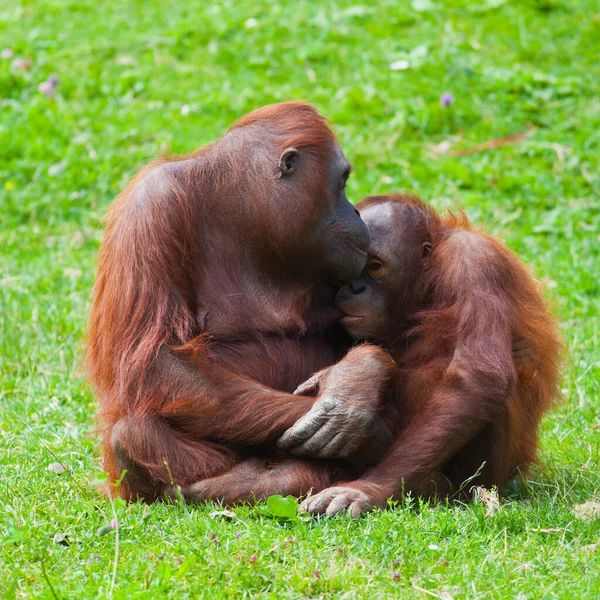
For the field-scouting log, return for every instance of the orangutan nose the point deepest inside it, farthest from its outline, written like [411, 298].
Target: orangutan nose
[357, 286]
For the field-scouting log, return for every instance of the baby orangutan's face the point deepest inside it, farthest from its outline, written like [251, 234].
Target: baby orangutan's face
[376, 305]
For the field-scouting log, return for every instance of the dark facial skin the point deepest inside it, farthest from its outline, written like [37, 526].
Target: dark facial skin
[346, 245]
[338, 242]
[376, 304]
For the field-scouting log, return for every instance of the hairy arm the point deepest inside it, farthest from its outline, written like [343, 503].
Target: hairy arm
[211, 402]
[472, 393]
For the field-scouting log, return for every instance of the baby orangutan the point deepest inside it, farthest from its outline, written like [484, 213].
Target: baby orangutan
[446, 301]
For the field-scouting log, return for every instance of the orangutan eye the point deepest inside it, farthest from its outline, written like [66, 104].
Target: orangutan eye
[344, 178]
[374, 267]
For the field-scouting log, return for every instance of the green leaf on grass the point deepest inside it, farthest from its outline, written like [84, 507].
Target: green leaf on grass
[16, 535]
[283, 508]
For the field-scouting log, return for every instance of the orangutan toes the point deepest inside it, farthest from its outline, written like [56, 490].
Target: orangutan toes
[335, 500]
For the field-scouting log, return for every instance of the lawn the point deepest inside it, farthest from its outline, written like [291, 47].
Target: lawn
[141, 78]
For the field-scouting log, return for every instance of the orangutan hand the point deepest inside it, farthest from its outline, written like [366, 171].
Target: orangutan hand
[345, 414]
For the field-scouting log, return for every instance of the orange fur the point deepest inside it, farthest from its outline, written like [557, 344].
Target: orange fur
[210, 232]
[464, 400]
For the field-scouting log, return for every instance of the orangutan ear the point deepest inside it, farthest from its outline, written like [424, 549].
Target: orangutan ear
[427, 246]
[288, 162]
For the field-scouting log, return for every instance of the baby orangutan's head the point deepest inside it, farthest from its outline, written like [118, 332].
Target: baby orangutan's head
[391, 287]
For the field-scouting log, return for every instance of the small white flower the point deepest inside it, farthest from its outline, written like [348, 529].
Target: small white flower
[185, 110]
[251, 23]
[400, 65]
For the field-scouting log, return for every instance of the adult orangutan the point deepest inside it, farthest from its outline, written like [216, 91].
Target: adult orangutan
[446, 301]
[213, 300]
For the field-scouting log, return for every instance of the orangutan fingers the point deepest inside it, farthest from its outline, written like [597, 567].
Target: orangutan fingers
[317, 504]
[311, 386]
[314, 445]
[320, 414]
[355, 429]
[358, 507]
[338, 504]
[303, 429]
[304, 505]
[336, 500]
[352, 444]
[332, 448]
[307, 388]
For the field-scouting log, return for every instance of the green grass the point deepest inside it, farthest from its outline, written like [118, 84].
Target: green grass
[126, 70]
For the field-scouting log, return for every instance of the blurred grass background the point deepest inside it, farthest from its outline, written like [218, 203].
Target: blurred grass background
[136, 79]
